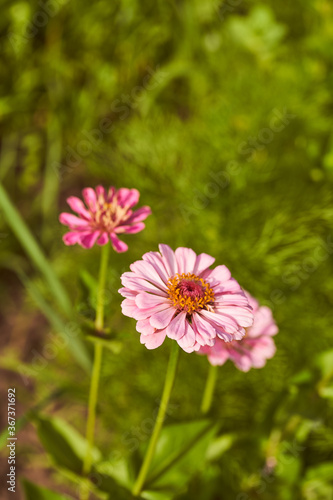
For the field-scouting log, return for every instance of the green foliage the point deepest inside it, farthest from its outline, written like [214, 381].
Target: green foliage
[34, 492]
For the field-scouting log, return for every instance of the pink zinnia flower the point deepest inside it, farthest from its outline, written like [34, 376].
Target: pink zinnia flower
[175, 294]
[104, 216]
[254, 349]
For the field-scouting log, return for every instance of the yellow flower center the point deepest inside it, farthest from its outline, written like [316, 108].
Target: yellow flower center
[190, 293]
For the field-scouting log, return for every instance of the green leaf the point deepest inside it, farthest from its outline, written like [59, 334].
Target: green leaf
[34, 492]
[34, 251]
[91, 285]
[76, 346]
[179, 454]
[219, 446]
[322, 472]
[325, 363]
[63, 443]
[326, 392]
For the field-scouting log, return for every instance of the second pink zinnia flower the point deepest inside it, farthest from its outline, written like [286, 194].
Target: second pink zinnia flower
[175, 294]
[103, 216]
[254, 349]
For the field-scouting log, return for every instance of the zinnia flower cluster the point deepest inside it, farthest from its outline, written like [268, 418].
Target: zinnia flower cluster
[254, 349]
[174, 294]
[103, 217]
[177, 295]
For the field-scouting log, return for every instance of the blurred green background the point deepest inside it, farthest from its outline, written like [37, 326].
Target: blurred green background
[220, 113]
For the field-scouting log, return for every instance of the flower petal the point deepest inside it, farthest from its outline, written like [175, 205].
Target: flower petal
[169, 259]
[101, 195]
[220, 274]
[187, 341]
[136, 228]
[71, 238]
[119, 246]
[78, 206]
[153, 341]
[72, 221]
[162, 319]
[103, 239]
[143, 326]
[147, 271]
[202, 263]
[147, 300]
[89, 240]
[186, 259]
[128, 197]
[139, 215]
[176, 329]
[89, 196]
[203, 328]
[139, 284]
[155, 259]
[242, 315]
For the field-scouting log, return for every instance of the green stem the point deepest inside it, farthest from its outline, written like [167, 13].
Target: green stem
[209, 389]
[99, 321]
[96, 371]
[168, 384]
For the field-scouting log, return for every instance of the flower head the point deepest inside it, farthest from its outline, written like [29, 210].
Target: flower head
[254, 349]
[103, 217]
[175, 294]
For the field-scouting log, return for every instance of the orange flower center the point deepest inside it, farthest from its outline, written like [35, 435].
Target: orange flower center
[190, 293]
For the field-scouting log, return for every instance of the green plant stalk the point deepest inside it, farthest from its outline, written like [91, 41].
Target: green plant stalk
[33, 250]
[96, 371]
[168, 385]
[209, 389]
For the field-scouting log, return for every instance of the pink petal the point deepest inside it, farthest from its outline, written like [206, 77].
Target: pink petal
[89, 240]
[78, 206]
[217, 319]
[153, 341]
[128, 197]
[139, 284]
[188, 339]
[264, 323]
[89, 196]
[220, 274]
[119, 246]
[230, 286]
[111, 194]
[220, 359]
[130, 229]
[100, 191]
[242, 315]
[71, 238]
[146, 300]
[143, 326]
[162, 319]
[103, 240]
[155, 259]
[147, 271]
[203, 328]
[231, 299]
[72, 221]
[125, 292]
[169, 260]
[252, 301]
[186, 259]
[176, 329]
[139, 215]
[202, 263]
[129, 307]
[139, 314]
